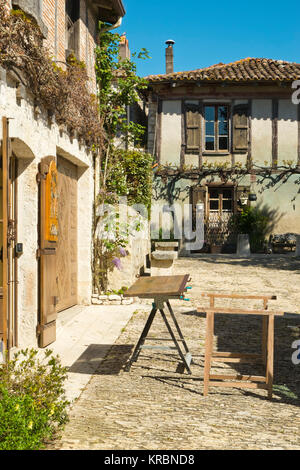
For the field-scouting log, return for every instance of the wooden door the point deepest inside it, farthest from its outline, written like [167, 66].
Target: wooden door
[3, 239]
[67, 230]
[220, 209]
[47, 252]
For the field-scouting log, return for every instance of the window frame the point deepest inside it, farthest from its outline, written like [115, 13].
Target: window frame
[216, 151]
[220, 190]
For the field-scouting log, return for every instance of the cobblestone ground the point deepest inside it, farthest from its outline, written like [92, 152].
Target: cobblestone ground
[157, 407]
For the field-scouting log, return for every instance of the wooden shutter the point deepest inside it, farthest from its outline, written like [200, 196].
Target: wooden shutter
[192, 128]
[48, 235]
[240, 128]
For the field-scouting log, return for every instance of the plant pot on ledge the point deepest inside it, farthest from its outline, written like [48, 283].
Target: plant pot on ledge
[215, 249]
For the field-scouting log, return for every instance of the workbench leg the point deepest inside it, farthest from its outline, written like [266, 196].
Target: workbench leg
[264, 339]
[177, 327]
[141, 341]
[175, 341]
[270, 356]
[208, 349]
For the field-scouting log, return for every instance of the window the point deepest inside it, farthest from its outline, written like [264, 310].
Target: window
[220, 200]
[216, 119]
[73, 10]
[72, 27]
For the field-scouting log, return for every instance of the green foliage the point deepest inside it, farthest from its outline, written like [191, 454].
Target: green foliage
[23, 425]
[255, 223]
[32, 400]
[119, 86]
[130, 175]
[123, 173]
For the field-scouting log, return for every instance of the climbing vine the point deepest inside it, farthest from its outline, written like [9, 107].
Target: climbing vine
[125, 168]
[61, 89]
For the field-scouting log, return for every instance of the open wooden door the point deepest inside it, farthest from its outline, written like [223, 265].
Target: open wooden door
[47, 252]
[3, 241]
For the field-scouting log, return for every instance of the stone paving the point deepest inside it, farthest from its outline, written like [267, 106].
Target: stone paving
[157, 407]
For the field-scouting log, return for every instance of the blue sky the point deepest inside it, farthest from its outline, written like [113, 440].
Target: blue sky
[209, 32]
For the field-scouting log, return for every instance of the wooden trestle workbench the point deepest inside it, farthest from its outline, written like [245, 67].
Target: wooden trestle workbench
[162, 289]
[165, 288]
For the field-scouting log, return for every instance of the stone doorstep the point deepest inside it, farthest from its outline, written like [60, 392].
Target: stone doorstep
[164, 255]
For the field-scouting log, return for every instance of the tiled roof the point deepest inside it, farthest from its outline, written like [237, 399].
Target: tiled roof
[244, 70]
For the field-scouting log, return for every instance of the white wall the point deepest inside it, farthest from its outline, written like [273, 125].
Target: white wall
[34, 139]
[171, 132]
[262, 131]
[287, 131]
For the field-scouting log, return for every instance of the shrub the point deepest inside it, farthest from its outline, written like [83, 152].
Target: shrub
[255, 223]
[32, 400]
[130, 175]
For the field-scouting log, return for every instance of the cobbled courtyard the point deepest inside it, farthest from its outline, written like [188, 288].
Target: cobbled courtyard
[157, 407]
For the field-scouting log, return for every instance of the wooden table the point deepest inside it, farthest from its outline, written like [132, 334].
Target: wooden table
[162, 289]
[267, 350]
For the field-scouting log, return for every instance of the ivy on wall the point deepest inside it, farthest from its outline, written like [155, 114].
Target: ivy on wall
[125, 168]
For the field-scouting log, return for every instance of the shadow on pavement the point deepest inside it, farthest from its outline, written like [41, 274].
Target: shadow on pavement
[102, 359]
[277, 262]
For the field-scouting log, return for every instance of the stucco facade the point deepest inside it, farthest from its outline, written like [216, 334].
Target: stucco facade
[33, 139]
[261, 110]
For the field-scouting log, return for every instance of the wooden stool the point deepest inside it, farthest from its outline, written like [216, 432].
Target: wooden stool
[267, 353]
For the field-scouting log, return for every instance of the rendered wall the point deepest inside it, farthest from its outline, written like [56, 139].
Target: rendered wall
[34, 139]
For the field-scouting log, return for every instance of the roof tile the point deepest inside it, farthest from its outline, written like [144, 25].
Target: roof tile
[244, 70]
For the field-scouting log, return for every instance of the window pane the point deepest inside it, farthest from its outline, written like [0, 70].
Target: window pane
[223, 143]
[214, 205]
[209, 143]
[209, 113]
[223, 128]
[227, 194]
[222, 113]
[214, 194]
[227, 205]
[210, 128]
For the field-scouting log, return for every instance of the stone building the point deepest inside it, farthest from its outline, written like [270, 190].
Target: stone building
[48, 184]
[240, 115]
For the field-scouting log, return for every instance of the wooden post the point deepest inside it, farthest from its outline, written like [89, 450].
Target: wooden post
[208, 349]
[264, 334]
[270, 356]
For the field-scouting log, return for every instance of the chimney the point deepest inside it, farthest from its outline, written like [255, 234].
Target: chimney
[170, 56]
[124, 51]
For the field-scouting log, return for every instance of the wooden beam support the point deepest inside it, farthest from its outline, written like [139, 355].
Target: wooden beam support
[275, 108]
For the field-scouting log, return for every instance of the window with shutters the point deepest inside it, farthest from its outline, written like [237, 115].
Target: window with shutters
[216, 128]
[216, 122]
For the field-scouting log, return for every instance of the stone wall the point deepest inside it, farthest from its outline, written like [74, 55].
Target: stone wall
[138, 248]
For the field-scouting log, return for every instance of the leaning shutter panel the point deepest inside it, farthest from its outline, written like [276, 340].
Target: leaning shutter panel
[199, 195]
[192, 123]
[240, 128]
